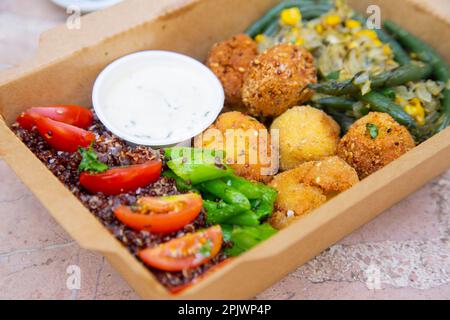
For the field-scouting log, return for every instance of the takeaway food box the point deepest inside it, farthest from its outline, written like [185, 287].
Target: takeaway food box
[66, 66]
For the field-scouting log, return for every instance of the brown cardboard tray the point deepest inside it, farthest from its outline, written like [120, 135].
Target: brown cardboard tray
[65, 67]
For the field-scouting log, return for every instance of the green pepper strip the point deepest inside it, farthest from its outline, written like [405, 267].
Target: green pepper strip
[196, 173]
[228, 194]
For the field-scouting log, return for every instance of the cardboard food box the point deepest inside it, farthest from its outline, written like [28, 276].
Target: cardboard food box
[65, 67]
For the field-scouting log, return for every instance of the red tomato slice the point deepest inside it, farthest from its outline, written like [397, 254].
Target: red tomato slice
[162, 214]
[206, 274]
[74, 115]
[121, 180]
[63, 137]
[187, 252]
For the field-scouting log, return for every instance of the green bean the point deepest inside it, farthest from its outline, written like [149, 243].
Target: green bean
[337, 103]
[272, 29]
[313, 13]
[344, 120]
[420, 48]
[226, 193]
[380, 103]
[427, 54]
[410, 72]
[444, 120]
[273, 14]
[400, 55]
[388, 92]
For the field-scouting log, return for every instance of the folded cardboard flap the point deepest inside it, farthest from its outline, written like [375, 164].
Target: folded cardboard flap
[66, 74]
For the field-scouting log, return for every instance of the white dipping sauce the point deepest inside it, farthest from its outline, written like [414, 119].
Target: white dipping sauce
[157, 98]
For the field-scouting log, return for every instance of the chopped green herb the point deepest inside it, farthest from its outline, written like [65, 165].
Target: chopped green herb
[89, 161]
[334, 75]
[373, 130]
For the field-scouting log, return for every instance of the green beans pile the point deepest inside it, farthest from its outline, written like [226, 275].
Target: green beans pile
[345, 94]
[269, 23]
[239, 205]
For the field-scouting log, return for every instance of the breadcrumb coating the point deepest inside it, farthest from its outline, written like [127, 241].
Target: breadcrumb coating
[250, 151]
[368, 154]
[307, 187]
[230, 60]
[277, 80]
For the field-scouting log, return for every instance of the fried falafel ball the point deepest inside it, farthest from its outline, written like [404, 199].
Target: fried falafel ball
[373, 142]
[307, 187]
[278, 80]
[306, 134]
[250, 144]
[229, 60]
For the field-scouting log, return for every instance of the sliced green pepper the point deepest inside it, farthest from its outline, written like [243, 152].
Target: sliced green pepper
[219, 212]
[245, 238]
[180, 183]
[246, 218]
[228, 194]
[196, 173]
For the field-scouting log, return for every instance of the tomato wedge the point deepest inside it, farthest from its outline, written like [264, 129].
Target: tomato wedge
[121, 180]
[178, 289]
[161, 214]
[62, 136]
[187, 252]
[74, 115]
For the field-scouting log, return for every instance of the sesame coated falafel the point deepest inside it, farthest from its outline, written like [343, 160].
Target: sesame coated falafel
[278, 80]
[229, 60]
[252, 154]
[369, 153]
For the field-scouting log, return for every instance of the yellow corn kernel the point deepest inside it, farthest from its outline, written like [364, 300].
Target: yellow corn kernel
[387, 49]
[415, 109]
[291, 17]
[332, 20]
[260, 38]
[400, 100]
[377, 43]
[295, 31]
[319, 29]
[353, 45]
[367, 33]
[299, 41]
[352, 24]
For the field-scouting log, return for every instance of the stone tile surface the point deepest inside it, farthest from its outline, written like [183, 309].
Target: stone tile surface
[403, 254]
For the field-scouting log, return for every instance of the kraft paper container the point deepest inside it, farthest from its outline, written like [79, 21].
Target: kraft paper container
[63, 72]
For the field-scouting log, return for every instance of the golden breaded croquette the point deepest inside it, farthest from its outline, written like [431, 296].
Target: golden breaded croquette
[251, 156]
[369, 154]
[306, 134]
[332, 175]
[230, 60]
[278, 80]
[308, 186]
